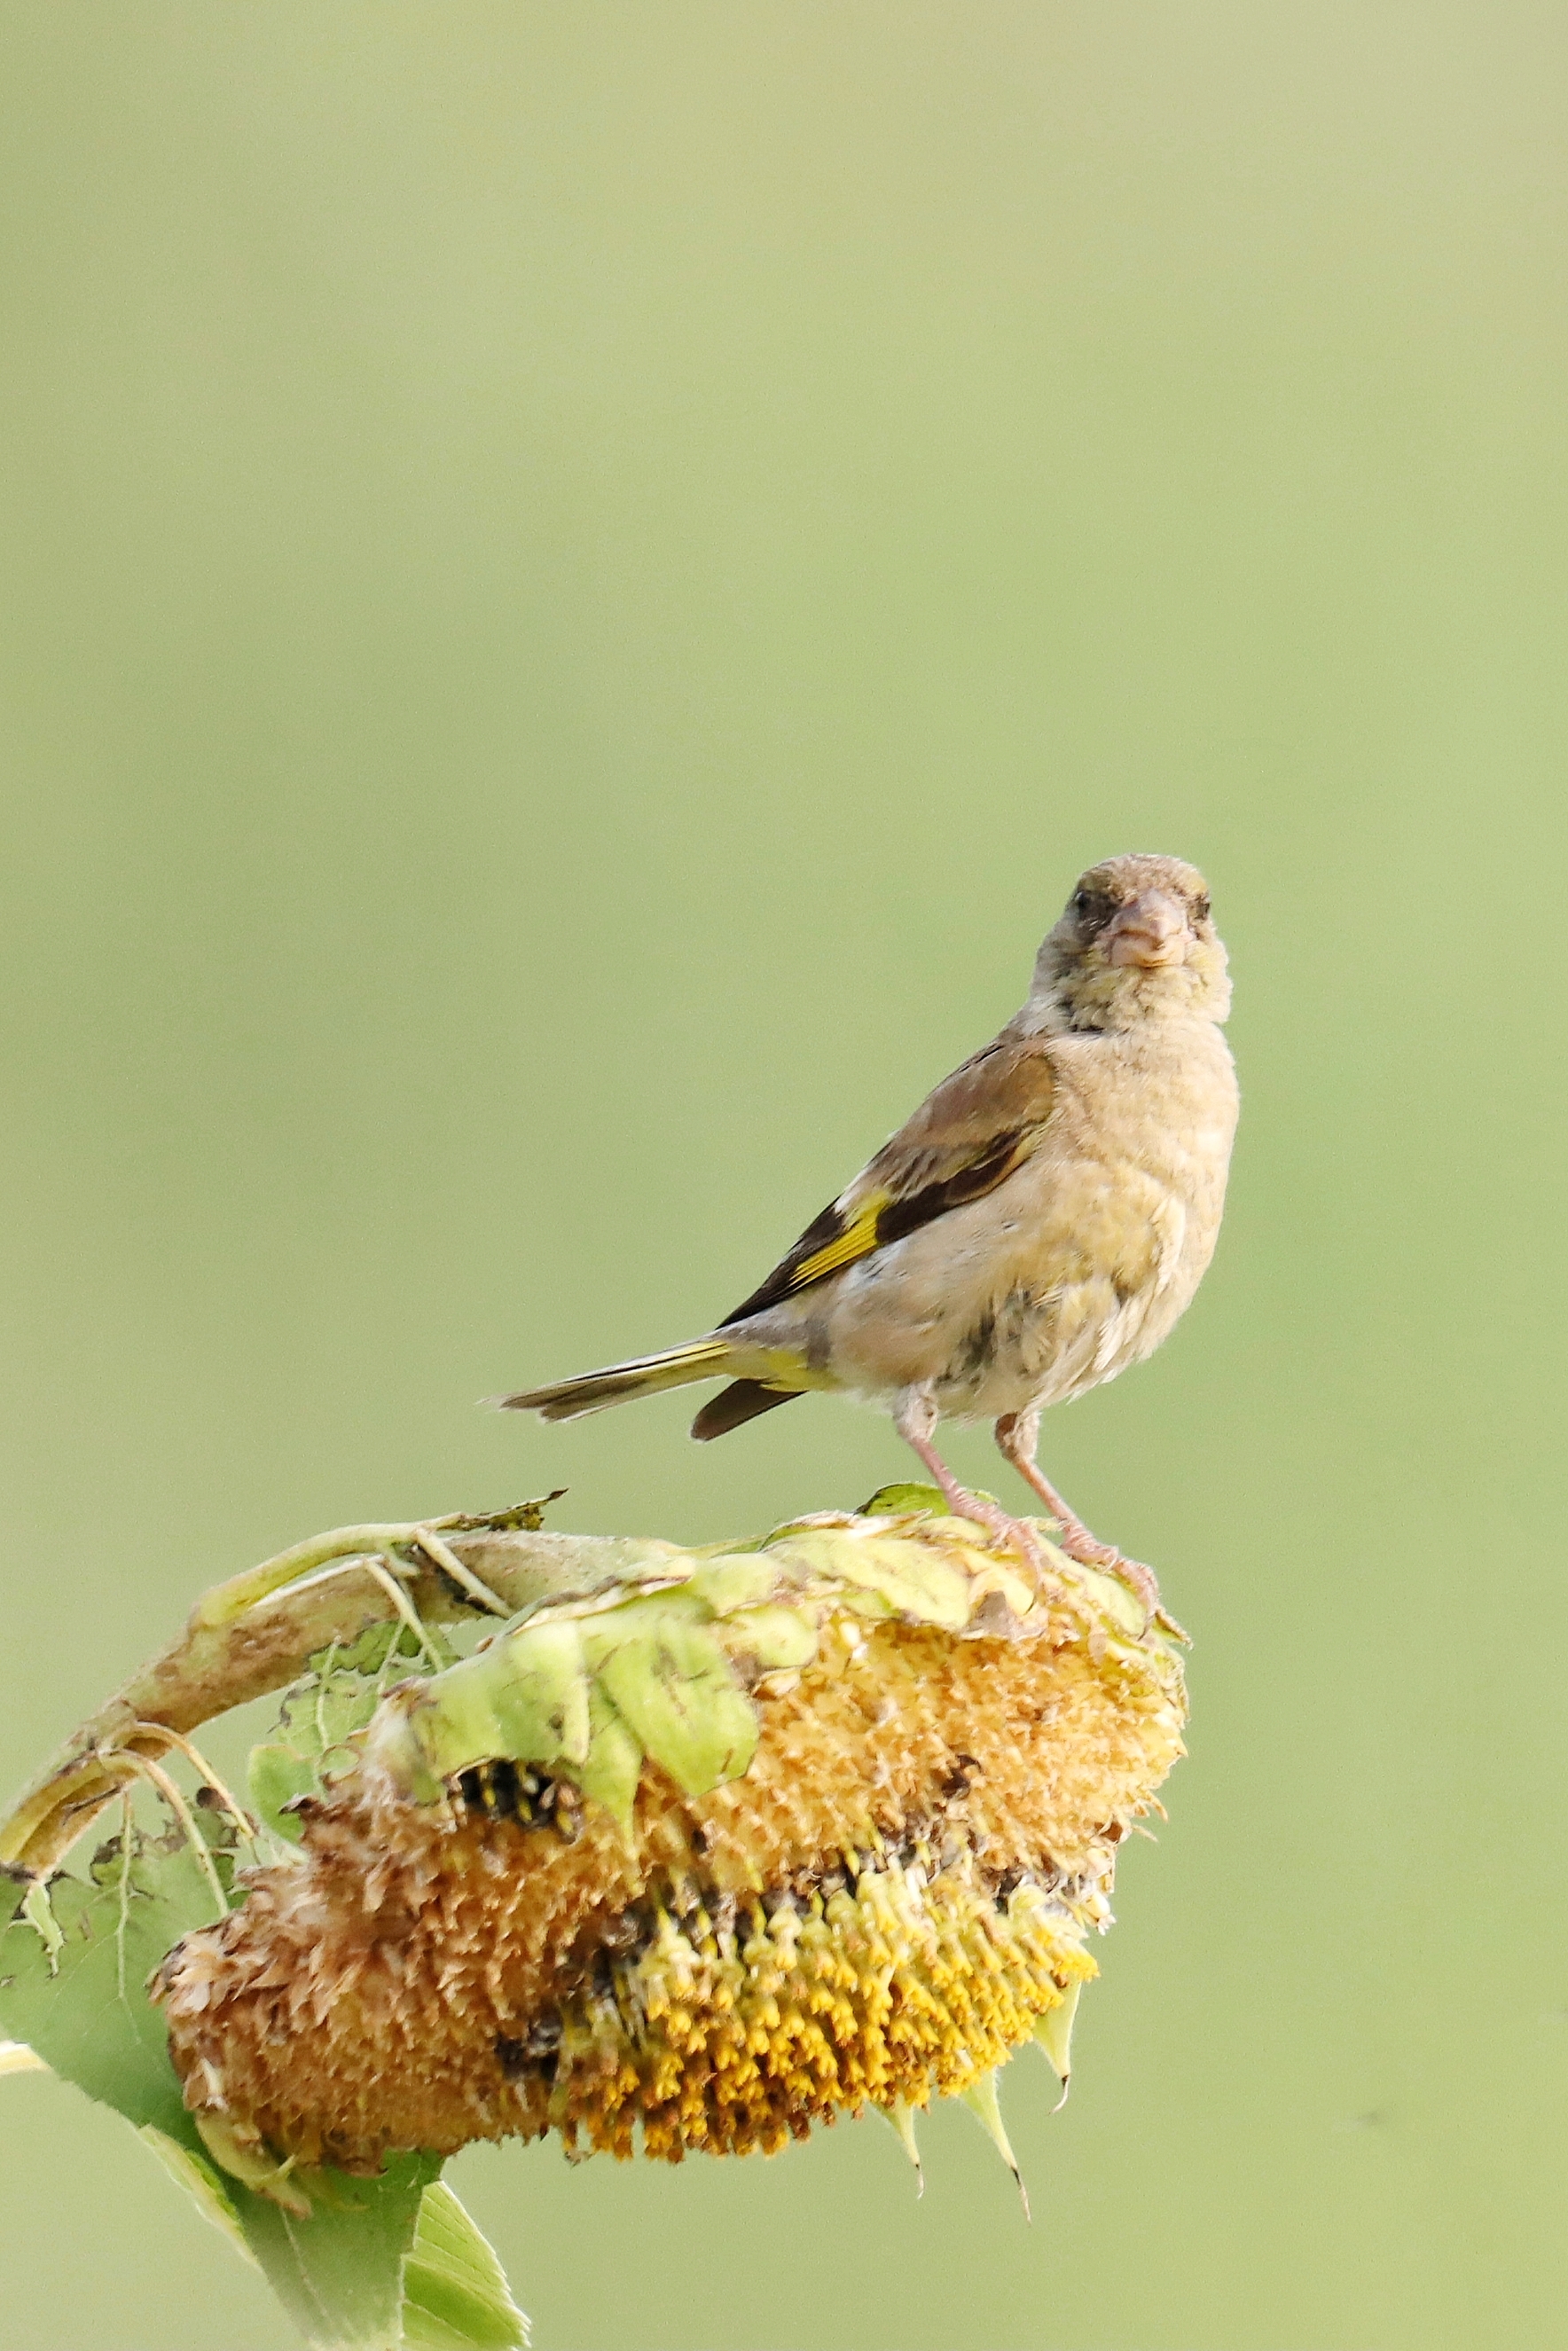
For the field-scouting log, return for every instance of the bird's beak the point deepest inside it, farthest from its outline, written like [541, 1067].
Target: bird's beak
[1152, 931]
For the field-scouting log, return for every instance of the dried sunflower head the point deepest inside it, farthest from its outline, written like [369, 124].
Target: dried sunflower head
[717, 1854]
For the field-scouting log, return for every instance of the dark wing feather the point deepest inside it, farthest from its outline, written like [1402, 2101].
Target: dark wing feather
[741, 1402]
[965, 1139]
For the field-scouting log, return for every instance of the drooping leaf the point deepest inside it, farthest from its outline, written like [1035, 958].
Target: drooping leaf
[614, 1762]
[589, 1686]
[208, 2190]
[338, 2274]
[671, 1681]
[542, 1703]
[735, 1580]
[773, 1638]
[526, 1697]
[82, 2005]
[909, 1579]
[454, 2289]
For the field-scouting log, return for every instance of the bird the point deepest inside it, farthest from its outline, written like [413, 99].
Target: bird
[1036, 1226]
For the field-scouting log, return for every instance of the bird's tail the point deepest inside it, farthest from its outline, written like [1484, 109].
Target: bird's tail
[699, 1359]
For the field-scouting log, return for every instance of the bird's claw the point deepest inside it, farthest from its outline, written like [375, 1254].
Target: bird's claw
[1023, 1540]
[1141, 1581]
[1015, 1534]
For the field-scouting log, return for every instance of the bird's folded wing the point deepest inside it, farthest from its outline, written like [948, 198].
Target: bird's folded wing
[965, 1139]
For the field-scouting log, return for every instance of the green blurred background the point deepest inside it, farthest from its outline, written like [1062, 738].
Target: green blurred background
[578, 584]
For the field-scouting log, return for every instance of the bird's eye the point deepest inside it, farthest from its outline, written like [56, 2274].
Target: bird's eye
[1088, 904]
[1200, 910]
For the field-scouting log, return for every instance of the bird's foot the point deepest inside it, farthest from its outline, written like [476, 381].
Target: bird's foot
[1090, 1551]
[1017, 1534]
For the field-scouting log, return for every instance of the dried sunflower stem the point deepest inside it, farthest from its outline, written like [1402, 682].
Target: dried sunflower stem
[254, 1634]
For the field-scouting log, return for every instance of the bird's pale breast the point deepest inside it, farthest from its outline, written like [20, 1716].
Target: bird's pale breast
[1077, 1265]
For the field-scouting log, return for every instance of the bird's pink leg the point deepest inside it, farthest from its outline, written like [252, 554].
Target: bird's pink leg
[1018, 1434]
[915, 1421]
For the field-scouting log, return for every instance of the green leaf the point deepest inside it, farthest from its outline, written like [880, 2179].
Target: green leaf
[775, 1639]
[672, 1682]
[525, 1696]
[454, 2289]
[735, 1580]
[538, 1702]
[82, 2005]
[203, 2183]
[910, 1579]
[340, 2274]
[896, 1501]
[614, 1763]
[319, 1716]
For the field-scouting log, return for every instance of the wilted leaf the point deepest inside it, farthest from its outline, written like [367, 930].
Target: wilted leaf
[912, 1578]
[672, 1682]
[773, 1638]
[736, 1580]
[614, 1762]
[319, 1715]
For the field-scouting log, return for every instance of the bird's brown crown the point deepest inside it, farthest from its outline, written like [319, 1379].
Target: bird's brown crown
[1135, 943]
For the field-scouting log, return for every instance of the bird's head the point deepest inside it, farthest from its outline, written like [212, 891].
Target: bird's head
[1135, 943]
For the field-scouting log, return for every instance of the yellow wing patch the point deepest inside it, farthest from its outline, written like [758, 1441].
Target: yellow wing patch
[856, 1240]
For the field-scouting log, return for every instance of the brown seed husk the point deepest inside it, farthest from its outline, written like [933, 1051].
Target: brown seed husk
[880, 1910]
